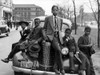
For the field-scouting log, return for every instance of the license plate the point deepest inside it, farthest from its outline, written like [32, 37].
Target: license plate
[28, 64]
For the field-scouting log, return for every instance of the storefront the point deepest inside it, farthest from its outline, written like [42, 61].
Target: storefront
[7, 13]
[6, 9]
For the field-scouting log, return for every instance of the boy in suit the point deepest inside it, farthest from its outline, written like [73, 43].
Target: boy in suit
[52, 27]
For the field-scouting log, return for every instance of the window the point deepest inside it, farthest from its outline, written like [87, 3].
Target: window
[33, 9]
[33, 13]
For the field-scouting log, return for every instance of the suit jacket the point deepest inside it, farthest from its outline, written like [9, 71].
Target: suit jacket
[49, 26]
[36, 34]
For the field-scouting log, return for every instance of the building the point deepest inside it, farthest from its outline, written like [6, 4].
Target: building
[26, 12]
[6, 9]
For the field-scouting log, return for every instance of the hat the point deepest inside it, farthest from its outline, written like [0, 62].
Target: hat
[34, 48]
[65, 51]
[21, 22]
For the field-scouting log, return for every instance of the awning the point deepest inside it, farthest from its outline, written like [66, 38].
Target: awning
[9, 10]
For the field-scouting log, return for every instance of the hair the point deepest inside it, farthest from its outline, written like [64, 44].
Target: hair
[54, 7]
[87, 28]
[68, 29]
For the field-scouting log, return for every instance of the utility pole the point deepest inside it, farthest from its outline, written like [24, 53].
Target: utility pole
[75, 16]
[98, 23]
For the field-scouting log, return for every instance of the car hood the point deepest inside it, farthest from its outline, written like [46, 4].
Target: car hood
[3, 25]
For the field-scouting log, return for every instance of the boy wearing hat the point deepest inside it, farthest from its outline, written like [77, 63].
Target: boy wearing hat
[75, 55]
[15, 47]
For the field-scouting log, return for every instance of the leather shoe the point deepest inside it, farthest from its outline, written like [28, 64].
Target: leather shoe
[57, 72]
[62, 72]
[72, 72]
[6, 60]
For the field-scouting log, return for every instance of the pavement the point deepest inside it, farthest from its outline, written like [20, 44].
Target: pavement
[96, 61]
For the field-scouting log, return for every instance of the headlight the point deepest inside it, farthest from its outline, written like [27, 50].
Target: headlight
[65, 51]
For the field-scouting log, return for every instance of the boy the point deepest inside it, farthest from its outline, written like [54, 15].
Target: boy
[85, 45]
[52, 27]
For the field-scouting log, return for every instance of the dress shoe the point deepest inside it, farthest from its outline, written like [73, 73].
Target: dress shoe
[6, 60]
[57, 72]
[72, 72]
[62, 72]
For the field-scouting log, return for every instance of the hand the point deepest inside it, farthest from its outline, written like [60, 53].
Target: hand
[89, 45]
[77, 53]
[36, 41]
[26, 41]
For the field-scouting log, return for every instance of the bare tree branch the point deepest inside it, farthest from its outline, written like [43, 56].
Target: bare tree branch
[93, 11]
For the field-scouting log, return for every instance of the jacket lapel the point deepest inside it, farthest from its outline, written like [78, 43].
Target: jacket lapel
[52, 22]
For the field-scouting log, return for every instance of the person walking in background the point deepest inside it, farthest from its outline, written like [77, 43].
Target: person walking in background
[86, 46]
[52, 26]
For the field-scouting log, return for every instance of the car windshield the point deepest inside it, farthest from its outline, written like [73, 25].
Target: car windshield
[64, 26]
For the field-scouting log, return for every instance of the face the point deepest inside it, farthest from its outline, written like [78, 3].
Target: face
[87, 32]
[67, 33]
[55, 11]
[37, 22]
[23, 25]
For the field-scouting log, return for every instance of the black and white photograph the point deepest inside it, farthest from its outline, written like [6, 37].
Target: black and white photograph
[49, 37]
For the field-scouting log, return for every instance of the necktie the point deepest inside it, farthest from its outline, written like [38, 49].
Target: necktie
[56, 27]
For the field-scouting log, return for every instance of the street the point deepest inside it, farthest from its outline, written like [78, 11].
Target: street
[14, 36]
[5, 48]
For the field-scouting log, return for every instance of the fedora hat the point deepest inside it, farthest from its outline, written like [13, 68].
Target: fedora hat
[21, 22]
[34, 48]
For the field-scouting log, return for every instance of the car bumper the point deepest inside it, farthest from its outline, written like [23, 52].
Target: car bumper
[36, 72]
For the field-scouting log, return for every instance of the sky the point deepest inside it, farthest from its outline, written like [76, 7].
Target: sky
[47, 4]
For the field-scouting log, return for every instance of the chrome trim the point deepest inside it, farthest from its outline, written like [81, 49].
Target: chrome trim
[37, 72]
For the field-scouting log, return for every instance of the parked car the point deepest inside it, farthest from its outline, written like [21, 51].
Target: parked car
[43, 65]
[4, 29]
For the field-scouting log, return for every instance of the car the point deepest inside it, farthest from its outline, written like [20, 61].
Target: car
[4, 29]
[43, 64]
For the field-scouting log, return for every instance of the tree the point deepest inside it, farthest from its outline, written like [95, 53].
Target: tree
[81, 13]
[98, 23]
[75, 16]
[65, 11]
[97, 18]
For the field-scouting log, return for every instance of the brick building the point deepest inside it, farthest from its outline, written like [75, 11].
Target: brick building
[26, 12]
